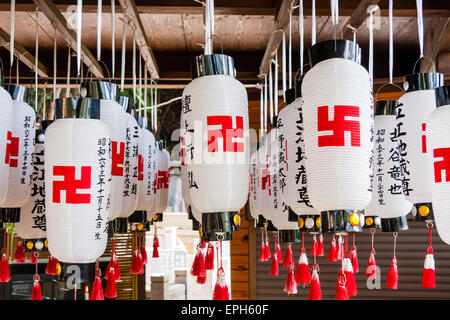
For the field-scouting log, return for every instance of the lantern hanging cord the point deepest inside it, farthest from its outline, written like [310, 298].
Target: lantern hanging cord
[313, 23]
[275, 84]
[11, 39]
[290, 48]
[36, 62]
[79, 21]
[113, 37]
[334, 4]
[283, 57]
[265, 102]
[301, 33]
[391, 42]
[371, 10]
[99, 28]
[124, 38]
[55, 48]
[270, 93]
[395, 234]
[420, 25]
[354, 31]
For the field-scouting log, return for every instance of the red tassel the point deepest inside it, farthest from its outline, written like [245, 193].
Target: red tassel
[221, 291]
[341, 289]
[137, 266]
[392, 278]
[116, 269]
[19, 255]
[315, 292]
[340, 245]
[350, 282]
[97, 290]
[4, 269]
[278, 250]
[290, 286]
[302, 274]
[262, 254]
[428, 276]
[209, 260]
[274, 266]
[144, 254]
[288, 261]
[320, 250]
[332, 253]
[36, 293]
[155, 246]
[198, 268]
[201, 280]
[267, 253]
[110, 290]
[33, 257]
[314, 247]
[371, 265]
[51, 265]
[354, 258]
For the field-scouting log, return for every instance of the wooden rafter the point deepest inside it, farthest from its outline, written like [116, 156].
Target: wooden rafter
[56, 18]
[23, 54]
[129, 7]
[358, 16]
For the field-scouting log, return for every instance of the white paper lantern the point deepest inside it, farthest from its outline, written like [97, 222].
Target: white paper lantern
[163, 181]
[338, 121]
[292, 173]
[19, 149]
[77, 181]
[218, 172]
[32, 224]
[253, 186]
[438, 145]
[414, 108]
[388, 200]
[6, 119]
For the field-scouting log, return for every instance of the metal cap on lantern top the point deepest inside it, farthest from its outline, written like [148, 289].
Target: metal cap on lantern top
[126, 103]
[18, 92]
[298, 88]
[442, 95]
[213, 64]
[423, 81]
[310, 223]
[372, 222]
[342, 221]
[219, 225]
[143, 122]
[329, 49]
[385, 107]
[290, 95]
[394, 224]
[79, 108]
[103, 90]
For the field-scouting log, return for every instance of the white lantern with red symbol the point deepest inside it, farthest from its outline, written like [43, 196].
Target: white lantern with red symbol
[19, 151]
[218, 170]
[32, 224]
[293, 182]
[115, 118]
[439, 160]
[130, 165]
[338, 125]
[6, 119]
[413, 109]
[163, 181]
[77, 181]
[388, 200]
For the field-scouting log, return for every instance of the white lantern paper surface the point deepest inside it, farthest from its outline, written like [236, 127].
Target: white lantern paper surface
[388, 200]
[414, 108]
[338, 121]
[292, 173]
[217, 103]
[253, 187]
[19, 153]
[163, 181]
[77, 183]
[6, 119]
[32, 224]
[439, 161]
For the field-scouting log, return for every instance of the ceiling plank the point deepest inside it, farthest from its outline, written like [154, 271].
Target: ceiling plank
[56, 18]
[276, 37]
[25, 56]
[358, 17]
[129, 7]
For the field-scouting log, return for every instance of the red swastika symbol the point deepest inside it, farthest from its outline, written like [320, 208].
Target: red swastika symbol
[140, 167]
[163, 180]
[339, 125]
[12, 150]
[266, 177]
[424, 138]
[155, 184]
[182, 150]
[441, 165]
[227, 133]
[118, 159]
[71, 185]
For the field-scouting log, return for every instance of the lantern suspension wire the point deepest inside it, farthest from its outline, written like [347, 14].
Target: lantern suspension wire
[55, 48]
[270, 93]
[99, 28]
[420, 25]
[265, 103]
[371, 9]
[261, 111]
[36, 61]
[313, 23]
[17, 71]
[145, 87]
[113, 37]
[78, 17]
[334, 15]
[134, 65]
[11, 39]
[68, 71]
[209, 26]
[140, 79]
[283, 58]
[301, 33]
[275, 83]
[290, 49]
[391, 42]
[354, 30]
[124, 44]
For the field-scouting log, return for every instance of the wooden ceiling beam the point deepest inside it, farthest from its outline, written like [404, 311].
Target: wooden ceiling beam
[56, 18]
[23, 54]
[358, 17]
[129, 7]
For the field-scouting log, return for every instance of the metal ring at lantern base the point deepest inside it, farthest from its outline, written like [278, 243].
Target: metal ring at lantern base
[372, 222]
[423, 212]
[9, 215]
[35, 245]
[394, 224]
[84, 272]
[341, 221]
[290, 236]
[118, 225]
[220, 222]
[310, 223]
[261, 222]
[139, 216]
